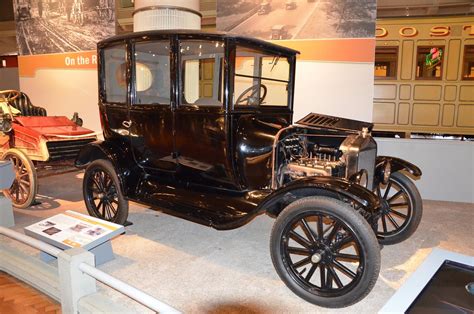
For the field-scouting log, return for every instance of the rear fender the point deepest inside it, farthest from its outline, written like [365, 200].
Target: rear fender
[396, 164]
[320, 186]
[118, 154]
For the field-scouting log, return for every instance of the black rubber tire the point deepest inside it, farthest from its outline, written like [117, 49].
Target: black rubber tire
[414, 212]
[105, 167]
[369, 248]
[29, 184]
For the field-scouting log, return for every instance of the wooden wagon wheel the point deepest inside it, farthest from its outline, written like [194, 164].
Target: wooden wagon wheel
[25, 186]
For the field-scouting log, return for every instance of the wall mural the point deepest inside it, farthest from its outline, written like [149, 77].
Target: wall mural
[57, 26]
[297, 19]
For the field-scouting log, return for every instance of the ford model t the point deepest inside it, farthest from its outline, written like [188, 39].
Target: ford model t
[200, 126]
[28, 137]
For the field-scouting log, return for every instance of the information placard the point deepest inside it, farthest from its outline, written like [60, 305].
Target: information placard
[71, 229]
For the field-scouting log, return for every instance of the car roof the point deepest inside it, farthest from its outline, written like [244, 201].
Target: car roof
[198, 33]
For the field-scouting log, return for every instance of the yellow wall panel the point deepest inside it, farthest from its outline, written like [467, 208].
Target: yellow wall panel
[450, 93]
[466, 115]
[454, 51]
[425, 114]
[383, 91]
[384, 112]
[407, 57]
[403, 113]
[405, 92]
[427, 92]
[466, 93]
[448, 115]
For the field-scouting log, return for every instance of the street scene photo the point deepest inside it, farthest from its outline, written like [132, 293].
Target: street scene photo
[297, 19]
[57, 26]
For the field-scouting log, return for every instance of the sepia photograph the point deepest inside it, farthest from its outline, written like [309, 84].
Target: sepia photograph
[57, 26]
[297, 19]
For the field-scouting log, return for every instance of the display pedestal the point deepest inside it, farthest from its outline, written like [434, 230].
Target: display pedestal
[6, 178]
[103, 253]
[6, 212]
[72, 230]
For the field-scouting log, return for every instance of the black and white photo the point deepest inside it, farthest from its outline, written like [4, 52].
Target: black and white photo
[297, 19]
[58, 26]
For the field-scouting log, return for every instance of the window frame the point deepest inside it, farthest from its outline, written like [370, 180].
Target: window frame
[395, 76]
[290, 82]
[133, 78]
[180, 76]
[464, 63]
[422, 78]
[102, 64]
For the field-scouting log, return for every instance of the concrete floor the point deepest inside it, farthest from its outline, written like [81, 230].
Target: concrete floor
[202, 270]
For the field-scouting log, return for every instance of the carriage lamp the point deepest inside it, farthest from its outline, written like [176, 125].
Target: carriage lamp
[384, 172]
[361, 178]
[5, 122]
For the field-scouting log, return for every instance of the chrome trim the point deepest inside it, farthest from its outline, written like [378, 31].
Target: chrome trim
[169, 7]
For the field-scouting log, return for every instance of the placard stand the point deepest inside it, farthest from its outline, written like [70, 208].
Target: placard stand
[103, 253]
[72, 229]
[6, 210]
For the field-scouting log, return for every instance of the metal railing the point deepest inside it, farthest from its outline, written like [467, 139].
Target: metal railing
[124, 288]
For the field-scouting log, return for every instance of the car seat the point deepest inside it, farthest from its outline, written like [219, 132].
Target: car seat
[23, 103]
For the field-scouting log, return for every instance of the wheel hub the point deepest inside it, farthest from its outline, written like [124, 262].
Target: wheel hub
[316, 258]
[385, 206]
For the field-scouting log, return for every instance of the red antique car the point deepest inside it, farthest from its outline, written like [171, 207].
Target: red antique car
[28, 136]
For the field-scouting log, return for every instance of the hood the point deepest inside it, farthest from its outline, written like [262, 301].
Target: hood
[51, 126]
[334, 123]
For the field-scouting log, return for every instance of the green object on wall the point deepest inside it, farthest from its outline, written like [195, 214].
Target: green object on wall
[126, 3]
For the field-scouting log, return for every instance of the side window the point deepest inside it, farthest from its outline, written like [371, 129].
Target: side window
[202, 69]
[152, 72]
[261, 79]
[468, 63]
[115, 69]
[386, 63]
[429, 63]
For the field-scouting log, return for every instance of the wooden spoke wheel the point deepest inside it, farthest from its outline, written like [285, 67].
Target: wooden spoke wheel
[25, 186]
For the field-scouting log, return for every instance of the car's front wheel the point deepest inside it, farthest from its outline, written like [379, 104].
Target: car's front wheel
[102, 193]
[325, 252]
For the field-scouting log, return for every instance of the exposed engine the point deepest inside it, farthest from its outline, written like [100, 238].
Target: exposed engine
[352, 157]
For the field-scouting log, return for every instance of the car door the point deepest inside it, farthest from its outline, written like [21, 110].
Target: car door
[150, 113]
[202, 142]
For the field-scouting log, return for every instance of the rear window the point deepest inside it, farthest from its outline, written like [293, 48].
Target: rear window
[115, 70]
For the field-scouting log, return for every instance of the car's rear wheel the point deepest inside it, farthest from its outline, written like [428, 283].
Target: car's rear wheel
[25, 186]
[402, 208]
[102, 193]
[325, 252]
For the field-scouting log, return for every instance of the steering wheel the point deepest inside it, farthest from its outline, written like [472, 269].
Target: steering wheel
[252, 98]
[9, 94]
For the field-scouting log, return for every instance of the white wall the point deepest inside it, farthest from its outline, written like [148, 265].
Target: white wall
[334, 88]
[63, 92]
[447, 166]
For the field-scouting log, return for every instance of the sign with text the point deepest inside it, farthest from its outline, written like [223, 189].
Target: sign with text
[71, 229]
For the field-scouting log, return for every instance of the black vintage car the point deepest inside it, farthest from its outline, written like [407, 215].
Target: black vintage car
[200, 126]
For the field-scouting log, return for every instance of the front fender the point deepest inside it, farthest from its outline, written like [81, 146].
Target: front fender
[118, 154]
[396, 164]
[322, 186]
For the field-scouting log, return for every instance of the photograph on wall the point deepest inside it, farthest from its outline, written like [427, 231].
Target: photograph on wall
[58, 26]
[297, 19]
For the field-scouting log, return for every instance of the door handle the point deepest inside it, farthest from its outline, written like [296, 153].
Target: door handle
[127, 124]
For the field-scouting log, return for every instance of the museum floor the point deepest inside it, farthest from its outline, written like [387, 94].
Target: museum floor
[198, 269]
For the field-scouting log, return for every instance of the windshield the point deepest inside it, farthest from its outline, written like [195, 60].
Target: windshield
[261, 79]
